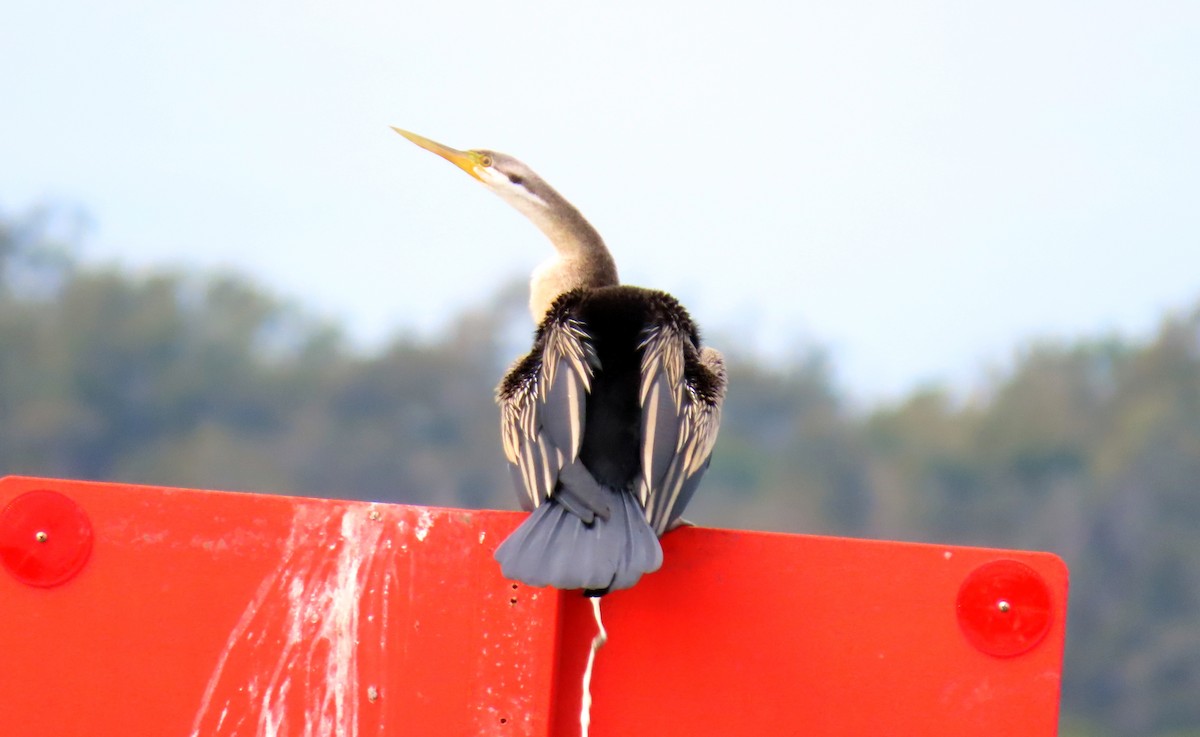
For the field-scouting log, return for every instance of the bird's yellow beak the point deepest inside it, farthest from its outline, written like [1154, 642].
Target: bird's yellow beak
[468, 161]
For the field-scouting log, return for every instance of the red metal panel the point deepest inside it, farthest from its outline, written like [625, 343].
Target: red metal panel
[766, 634]
[211, 613]
[237, 614]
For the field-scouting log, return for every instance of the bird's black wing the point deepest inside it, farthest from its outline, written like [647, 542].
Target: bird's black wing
[543, 402]
[682, 389]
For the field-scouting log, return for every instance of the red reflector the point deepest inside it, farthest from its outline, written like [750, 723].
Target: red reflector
[45, 538]
[1004, 608]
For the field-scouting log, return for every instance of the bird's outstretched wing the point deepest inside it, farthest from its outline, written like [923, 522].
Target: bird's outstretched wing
[543, 411]
[682, 389]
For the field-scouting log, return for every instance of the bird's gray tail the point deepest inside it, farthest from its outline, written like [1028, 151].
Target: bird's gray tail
[555, 547]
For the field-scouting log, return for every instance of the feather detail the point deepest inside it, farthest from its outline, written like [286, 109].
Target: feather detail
[677, 436]
[543, 404]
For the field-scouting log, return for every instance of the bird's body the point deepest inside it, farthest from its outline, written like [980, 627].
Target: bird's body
[610, 420]
[594, 421]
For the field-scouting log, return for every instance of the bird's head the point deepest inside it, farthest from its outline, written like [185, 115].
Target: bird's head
[582, 259]
[501, 173]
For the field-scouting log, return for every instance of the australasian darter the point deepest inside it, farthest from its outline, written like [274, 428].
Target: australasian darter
[610, 420]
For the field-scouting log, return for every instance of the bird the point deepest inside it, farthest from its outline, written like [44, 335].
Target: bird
[609, 422]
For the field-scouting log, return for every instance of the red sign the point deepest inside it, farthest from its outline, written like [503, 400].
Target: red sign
[134, 611]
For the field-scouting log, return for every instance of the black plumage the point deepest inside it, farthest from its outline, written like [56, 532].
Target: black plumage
[610, 436]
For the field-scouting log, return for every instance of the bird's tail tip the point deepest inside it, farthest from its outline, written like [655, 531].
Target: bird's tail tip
[553, 547]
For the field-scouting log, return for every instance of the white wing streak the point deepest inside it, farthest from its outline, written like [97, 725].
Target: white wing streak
[681, 412]
[543, 407]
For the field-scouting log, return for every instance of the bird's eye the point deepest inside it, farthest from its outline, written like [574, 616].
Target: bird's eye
[485, 160]
[516, 179]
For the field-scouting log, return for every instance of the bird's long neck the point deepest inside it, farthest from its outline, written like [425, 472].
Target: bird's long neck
[582, 260]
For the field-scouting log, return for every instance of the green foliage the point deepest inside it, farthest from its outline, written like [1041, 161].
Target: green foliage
[1090, 449]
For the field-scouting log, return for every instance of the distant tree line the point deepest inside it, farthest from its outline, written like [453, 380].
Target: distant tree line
[1088, 448]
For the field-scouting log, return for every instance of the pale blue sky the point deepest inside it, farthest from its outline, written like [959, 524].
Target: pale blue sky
[917, 186]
